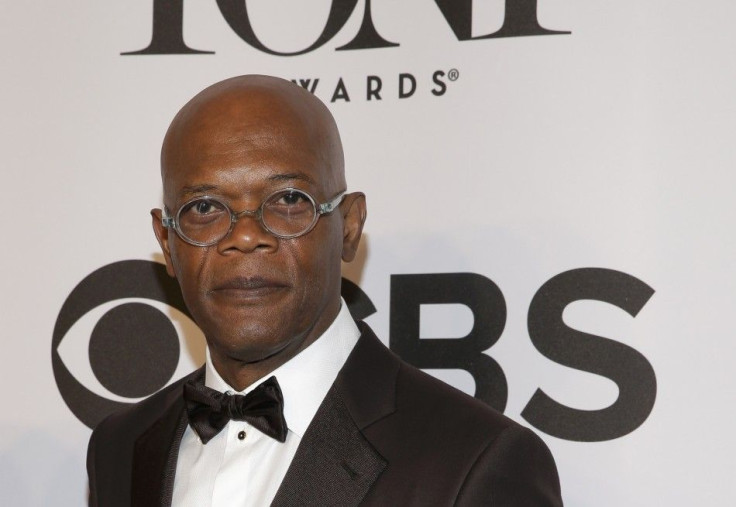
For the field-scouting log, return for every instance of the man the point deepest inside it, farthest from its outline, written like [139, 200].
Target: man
[257, 220]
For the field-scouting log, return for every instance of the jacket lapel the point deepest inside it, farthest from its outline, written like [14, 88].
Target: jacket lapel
[335, 464]
[156, 451]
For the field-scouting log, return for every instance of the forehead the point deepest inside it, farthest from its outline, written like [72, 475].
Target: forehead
[248, 142]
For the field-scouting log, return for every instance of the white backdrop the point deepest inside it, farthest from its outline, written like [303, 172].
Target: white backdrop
[609, 147]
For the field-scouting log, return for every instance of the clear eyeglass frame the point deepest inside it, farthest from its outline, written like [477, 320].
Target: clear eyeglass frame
[172, 221]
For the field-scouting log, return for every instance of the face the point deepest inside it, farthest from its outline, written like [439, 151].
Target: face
[257, 297]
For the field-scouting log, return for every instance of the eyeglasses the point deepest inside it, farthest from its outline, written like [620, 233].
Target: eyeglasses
[287, 213]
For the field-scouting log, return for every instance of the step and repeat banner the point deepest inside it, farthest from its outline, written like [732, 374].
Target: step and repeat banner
[551, 227]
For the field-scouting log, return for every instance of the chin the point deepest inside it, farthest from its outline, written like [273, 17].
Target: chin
[252, 344]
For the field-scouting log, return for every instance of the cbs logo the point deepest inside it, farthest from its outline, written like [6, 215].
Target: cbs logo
[118, 339]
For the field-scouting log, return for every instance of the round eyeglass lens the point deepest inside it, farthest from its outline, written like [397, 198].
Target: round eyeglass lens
[204, 220]
[289, 213]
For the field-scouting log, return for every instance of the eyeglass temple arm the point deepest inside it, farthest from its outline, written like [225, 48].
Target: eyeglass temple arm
[330, 206]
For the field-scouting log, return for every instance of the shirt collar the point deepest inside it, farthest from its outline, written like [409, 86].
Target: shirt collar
[305, 378]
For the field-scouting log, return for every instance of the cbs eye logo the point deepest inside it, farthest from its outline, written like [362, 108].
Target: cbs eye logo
[118, 339]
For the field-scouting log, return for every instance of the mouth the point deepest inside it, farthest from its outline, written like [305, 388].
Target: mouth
[248, 287]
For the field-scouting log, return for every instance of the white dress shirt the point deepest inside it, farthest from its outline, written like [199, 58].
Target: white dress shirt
[241, 466]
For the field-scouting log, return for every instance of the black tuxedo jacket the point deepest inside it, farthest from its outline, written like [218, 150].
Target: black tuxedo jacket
[386, 434]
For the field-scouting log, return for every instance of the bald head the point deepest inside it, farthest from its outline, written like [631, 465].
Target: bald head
[256, 115]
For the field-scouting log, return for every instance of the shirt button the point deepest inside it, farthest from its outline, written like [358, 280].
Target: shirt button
[241, 435]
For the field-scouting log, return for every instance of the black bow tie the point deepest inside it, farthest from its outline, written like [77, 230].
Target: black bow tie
[209, 410]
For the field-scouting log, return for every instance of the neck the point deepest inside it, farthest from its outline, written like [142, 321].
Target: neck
[239, 371]
[241, 374]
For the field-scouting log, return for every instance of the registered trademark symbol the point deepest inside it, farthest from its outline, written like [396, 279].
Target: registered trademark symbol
[453, 74]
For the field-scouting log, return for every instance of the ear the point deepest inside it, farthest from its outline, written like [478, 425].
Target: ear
[162, 235]
[354, 214]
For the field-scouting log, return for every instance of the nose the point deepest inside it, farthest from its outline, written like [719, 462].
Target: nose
[248, 235]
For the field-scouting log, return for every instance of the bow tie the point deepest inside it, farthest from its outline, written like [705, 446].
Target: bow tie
[209, 410]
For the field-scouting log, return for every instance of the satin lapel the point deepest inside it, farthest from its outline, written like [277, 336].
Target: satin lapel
[155, 454]
[335, 464]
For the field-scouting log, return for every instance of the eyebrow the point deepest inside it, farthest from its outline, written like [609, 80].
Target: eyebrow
[292, 177]
[197, 189]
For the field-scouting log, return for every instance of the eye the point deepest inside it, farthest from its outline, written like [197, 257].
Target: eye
[202, 207]
[202, 210]
[289, 202]
[292, 198]
[122, 334]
